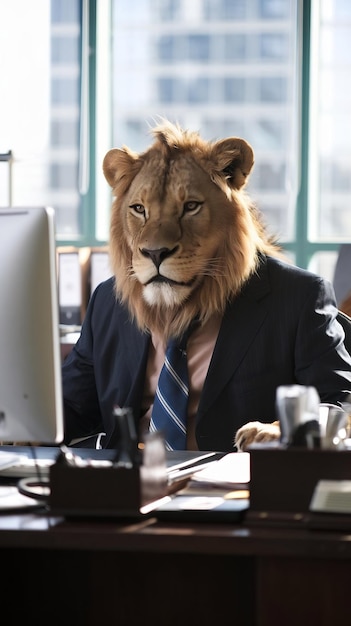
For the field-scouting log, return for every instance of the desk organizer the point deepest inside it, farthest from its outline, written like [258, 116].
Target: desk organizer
[282, 480]
[114, 490]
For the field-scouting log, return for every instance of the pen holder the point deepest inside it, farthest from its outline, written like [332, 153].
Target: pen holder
[109, 490]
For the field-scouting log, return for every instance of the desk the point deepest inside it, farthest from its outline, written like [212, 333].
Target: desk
[96, 573]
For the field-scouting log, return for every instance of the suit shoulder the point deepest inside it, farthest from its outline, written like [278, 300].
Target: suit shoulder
[105, 310]
[103, 297]
[105, 289]
[288, 271]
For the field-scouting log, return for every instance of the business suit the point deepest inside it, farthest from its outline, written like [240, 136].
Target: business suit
[280, 330]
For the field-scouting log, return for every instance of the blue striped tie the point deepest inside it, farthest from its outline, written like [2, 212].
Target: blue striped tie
[169, 413]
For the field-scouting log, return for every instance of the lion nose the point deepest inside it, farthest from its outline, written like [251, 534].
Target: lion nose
[158, 255]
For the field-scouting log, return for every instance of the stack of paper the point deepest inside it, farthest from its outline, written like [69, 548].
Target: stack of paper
[230, 473]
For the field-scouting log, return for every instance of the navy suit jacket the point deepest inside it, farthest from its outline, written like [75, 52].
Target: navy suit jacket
[280, 330]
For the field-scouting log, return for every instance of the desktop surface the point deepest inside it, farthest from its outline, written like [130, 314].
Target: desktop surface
[175, 459]
[30, 477]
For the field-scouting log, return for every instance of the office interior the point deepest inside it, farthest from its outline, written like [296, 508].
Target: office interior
[82, 76]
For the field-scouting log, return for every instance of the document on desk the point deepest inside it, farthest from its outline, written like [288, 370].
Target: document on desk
[232, 471]
[218, 492]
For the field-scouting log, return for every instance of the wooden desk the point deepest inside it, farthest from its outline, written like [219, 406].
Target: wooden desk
[96, 573]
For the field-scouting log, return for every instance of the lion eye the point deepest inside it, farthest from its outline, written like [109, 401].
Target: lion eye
[138, 208]
[192, 206]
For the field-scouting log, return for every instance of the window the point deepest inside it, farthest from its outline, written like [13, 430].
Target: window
[267, 70]
[224, 67]
[81, 76]
[40, 90]
[329, 215]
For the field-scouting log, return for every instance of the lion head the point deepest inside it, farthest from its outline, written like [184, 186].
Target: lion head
[184, 235]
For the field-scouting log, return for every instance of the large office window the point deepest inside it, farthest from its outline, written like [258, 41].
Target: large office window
[330, 144]
[40, 104]
[224, 68]
[274, 72]
[81, 76]
[329, 172]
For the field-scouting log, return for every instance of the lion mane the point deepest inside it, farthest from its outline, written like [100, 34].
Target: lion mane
[184, 234]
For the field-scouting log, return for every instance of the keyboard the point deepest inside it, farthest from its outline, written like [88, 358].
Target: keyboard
[15, 465]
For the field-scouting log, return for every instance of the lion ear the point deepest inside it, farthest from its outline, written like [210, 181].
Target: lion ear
[233, 158]
[120, 164]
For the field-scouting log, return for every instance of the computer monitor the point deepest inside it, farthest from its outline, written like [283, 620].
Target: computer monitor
[31, 406]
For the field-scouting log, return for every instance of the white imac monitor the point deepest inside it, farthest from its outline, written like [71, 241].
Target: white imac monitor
[31, 408]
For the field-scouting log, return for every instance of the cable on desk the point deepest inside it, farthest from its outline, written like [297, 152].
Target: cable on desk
[38, 487]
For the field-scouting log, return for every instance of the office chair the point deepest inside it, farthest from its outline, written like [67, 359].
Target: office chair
[342, 275]
[345, 322]
[345, 305]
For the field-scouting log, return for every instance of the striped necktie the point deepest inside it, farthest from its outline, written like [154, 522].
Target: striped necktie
[169, 413]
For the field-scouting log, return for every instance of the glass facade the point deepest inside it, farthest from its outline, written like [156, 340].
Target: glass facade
[224, 68]
[40, 95]
[330, 159]
[80, 76]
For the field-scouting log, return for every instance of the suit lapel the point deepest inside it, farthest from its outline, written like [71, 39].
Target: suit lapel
[139, 350]
[241, 323]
